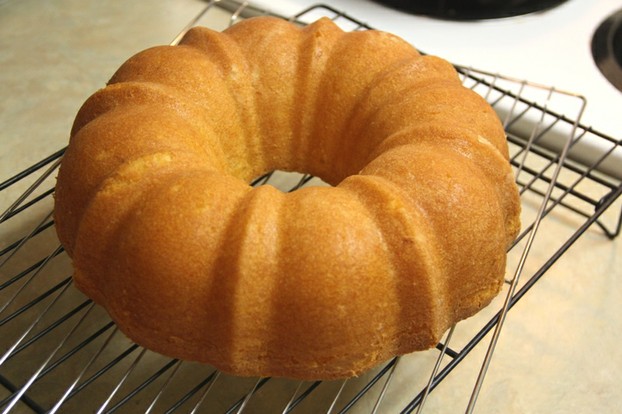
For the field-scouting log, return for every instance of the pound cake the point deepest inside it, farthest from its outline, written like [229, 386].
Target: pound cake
[154, 206]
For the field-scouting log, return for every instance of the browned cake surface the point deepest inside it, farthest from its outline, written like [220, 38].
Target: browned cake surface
[154, 207]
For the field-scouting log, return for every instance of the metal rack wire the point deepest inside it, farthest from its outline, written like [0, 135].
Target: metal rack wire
[60, 353]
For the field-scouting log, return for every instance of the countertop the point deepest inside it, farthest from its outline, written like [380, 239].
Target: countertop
[559, 351]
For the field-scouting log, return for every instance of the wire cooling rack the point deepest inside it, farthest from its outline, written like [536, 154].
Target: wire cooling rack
[61, 353]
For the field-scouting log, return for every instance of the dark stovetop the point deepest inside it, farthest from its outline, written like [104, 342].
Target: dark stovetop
[471, 9]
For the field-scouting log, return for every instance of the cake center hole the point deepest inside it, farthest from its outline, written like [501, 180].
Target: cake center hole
[288, 181]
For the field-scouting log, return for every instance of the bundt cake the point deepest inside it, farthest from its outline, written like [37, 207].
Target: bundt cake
[154, 206]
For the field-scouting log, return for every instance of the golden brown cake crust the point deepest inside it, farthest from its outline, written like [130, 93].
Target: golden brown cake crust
[154, 207]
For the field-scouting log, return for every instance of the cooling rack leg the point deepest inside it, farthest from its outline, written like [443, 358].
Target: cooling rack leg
[617, 227]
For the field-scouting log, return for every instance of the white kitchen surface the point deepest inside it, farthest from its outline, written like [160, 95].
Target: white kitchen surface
[559, 351]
